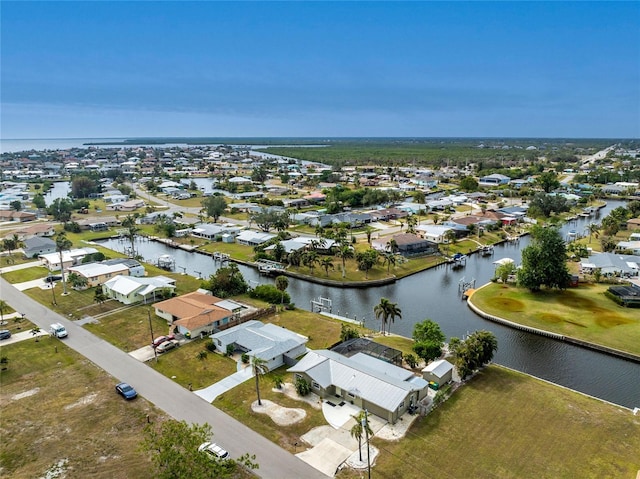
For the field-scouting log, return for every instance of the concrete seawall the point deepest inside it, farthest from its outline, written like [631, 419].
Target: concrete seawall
[549, 334]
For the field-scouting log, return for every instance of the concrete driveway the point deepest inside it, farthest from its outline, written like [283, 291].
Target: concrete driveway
[22, 336]
[221, 387]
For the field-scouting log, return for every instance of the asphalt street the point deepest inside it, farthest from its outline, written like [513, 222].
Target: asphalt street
[168, 396]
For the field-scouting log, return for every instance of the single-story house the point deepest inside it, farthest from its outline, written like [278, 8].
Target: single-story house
[98, 273]
[69, 258]
[18, 216]
[440, 371]
[37, 245]
[408, 244]
[42, 229]
[194, 313]
[274, 344]
[130, 290]
[382, 388]
[433, 233]
[632, 246]
[135, 268]
[633, 224]
[214, 231]
[253, 238]
[130, 205]
[611, 264]
[323, 245]
[494, 180]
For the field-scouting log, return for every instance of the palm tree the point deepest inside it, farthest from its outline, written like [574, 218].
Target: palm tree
[357, 431]
[593, 228]
[412, 221]
[63, 244]
[389, 258]
[259, 368]
[345, 252]
[392, 246]
[132, 230]
[310, 259]
[282, 282]
[385, 311]
[368, 230]
[326, 263]
[394, 312]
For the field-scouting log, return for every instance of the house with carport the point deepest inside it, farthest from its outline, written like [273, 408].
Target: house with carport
[273, 344]
[382, 388]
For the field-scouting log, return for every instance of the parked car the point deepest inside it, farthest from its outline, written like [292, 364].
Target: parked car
[5, 334]
[52, 279]
[161, 339]
[126, 391]
[213, 450]
[166, 346]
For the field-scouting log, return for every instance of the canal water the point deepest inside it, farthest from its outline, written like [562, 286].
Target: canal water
[435, 294]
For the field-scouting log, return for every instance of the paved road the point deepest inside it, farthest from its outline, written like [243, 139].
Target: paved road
[164, 393]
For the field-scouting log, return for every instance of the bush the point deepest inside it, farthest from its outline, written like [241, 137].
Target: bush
[278, 381]
[302, 386]
[245, 358]
[411, 360]
[211, 346]
[203, 354]
[230, 350]
[270, 294]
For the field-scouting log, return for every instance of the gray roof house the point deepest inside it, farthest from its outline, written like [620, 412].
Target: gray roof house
[130, 290]
[612, 264]
[382, 388]
[274, 344]
[37, 245]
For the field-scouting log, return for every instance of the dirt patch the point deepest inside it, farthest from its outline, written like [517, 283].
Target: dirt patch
[25, 394]
[282, 416]
[289, 390]
[506, 304]
[610, 320]
[83, 401]
[550, 318]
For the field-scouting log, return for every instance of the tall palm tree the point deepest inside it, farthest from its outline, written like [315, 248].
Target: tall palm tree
[129, 222]
[327, 264]
[63, 244]
[387, 311]
[282, 282]
[345, 252]
[259, 368]
[389, 259]
[593, 230]
[357, 431]
[4, 307]
[310, 259]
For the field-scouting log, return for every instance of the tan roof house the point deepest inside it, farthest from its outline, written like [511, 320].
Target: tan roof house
[194, 313]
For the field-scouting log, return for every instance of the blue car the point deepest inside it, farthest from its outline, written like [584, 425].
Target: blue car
[126, 391]
[5, 334]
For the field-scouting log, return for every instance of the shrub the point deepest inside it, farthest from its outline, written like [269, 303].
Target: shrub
[411, 360]
[302, 386]
[278, 381]
[270, 294]
[230, 350]
[211, 346]
[203, 354]
[245, 358]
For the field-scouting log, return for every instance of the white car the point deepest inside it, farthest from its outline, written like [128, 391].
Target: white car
[167, 345]
[213, 450]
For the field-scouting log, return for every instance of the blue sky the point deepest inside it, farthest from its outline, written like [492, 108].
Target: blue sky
[504, 69]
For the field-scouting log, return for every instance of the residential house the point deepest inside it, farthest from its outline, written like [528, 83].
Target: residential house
[494, 180]
[408, 244]
[98, 273]
[69, 258]
[130, 205]
[611, 264]
[273, 344]
[194, 314]
[131, 290]
[41, 229]
[17, 216]
[253, 238]
[215, 231]
[433, 233]
[37, 245]
[633, 224]
[382, 388]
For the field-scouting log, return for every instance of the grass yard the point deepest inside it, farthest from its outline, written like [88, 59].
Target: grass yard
[322, 332]
[584, 313]
[128, 329]
[504, 424]
[188, 368]
[237, 403]
[27, 274]
[237, 251]
[77, 417]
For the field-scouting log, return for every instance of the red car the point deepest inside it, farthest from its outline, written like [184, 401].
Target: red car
[161, 339]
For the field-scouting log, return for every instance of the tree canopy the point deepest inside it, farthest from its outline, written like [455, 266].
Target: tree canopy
[474, 352]
[173, 447]
[428, 340]
[214, 206]
[227, 281]
[544, 261]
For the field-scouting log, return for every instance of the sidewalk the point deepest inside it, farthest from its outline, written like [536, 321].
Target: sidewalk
[221, 387]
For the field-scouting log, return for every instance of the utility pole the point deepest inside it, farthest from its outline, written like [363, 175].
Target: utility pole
[365, 425]
[155, 353]
[51, 285]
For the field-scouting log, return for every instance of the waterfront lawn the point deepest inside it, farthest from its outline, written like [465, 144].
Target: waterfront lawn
[584, 313]
[322, 332]
[58, 406]
[504, 424]
[236, 251]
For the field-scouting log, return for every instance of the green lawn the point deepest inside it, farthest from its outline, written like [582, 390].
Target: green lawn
[584, 313]
[504, 424]
[27, 274]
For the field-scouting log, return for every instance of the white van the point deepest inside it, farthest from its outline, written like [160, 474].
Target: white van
[57, 330]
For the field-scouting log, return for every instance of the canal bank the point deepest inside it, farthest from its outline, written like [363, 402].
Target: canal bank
[550, 334]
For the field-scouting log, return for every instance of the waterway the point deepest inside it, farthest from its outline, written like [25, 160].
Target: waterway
[434, 294]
